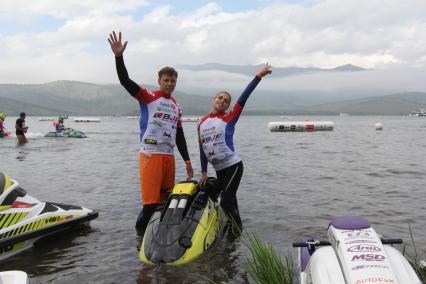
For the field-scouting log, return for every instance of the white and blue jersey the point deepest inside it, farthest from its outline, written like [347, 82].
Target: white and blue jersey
[160, 116]
[216, 133]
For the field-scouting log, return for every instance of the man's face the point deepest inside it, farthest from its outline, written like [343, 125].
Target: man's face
[167, 83]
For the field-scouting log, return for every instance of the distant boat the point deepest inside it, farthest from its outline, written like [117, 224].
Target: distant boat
[86, 119]
[420, 112]
[133, 117]
[343, 114]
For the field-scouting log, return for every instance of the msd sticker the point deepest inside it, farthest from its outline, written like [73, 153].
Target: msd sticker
[368, 257]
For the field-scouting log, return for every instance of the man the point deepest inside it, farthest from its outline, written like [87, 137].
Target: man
[59, 125]
[160, 130]
[21, 129]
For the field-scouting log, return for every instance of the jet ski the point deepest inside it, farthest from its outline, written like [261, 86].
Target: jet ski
[354, 254]
[67, 133]
[188, 224]
[25, 220]
[5, 134]
[14, 277]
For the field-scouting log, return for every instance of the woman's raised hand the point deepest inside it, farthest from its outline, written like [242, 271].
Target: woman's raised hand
[116, 45]
[265, 71]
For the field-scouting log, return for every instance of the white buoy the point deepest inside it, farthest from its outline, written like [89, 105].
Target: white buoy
[378, 126]
[297, 126]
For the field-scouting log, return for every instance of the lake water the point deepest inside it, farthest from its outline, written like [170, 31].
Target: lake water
[293, 184]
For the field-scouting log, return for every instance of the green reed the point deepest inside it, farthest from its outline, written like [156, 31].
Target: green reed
[418, 265]
[264, 264]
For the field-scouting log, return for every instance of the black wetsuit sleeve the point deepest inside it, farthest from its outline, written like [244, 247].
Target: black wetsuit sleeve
[123, 76]
[203, 160]
[181, 144]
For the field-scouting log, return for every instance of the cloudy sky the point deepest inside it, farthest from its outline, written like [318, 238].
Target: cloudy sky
[47, 40]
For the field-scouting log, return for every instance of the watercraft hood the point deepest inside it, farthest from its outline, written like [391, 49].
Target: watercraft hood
[5, 182]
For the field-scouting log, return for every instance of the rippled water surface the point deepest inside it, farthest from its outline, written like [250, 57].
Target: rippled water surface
[293, 184]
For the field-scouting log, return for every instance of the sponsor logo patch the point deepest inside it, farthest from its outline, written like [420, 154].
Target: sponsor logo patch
[368, 257]
[150, 141]
[375, 280]
[364, 266]
[363, 248]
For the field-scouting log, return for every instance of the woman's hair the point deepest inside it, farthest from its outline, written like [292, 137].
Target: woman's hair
[22, 114]
[226, 93]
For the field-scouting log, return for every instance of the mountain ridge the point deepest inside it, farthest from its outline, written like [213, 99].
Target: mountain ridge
[82, 98]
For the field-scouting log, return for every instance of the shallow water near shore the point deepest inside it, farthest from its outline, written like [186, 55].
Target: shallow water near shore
[293, 185]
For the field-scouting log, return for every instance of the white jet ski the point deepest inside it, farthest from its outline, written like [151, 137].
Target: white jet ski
[354, 254]
[14, 277]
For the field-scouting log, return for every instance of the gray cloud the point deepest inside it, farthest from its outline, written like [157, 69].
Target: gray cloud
[383, 35]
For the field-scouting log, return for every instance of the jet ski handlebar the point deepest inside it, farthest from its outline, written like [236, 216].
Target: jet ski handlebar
[314, 243]
[317, 243]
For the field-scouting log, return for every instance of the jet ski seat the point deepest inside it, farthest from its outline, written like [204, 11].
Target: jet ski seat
[350, 223]
[8, 195]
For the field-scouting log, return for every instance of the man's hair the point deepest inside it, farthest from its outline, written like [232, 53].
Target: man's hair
[167, 71]
[22, 114]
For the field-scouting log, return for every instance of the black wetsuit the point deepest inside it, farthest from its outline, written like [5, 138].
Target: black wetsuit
[228, 181]
[21, 123]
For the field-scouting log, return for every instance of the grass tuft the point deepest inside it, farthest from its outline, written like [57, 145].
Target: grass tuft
[418, 265]
[264, 264]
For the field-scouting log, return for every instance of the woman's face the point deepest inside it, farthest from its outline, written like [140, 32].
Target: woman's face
[221, 102]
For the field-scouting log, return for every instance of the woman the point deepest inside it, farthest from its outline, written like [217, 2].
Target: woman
[215, 133]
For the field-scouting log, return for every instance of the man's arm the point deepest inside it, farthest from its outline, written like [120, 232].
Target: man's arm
[123, 76]
[183, 150]
[118, 48]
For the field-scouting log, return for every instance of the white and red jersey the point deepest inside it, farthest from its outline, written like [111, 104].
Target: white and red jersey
[216, 134]
[160, 116]
[216, 139]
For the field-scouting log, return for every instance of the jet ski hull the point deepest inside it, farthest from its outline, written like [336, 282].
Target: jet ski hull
[353, 254]
[67, 133]
[178, 234]
[25, 220]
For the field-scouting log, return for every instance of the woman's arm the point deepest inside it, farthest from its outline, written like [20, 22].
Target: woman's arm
[239, 105]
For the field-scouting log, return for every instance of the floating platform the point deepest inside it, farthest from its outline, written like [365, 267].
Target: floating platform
[298, 126]
[86, 119]
[190, 119]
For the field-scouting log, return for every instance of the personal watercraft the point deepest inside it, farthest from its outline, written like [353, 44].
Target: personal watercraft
[354, 254]
[25, 220]
[188, 224]
[68, 133]
[5, 134]
[14, 277]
